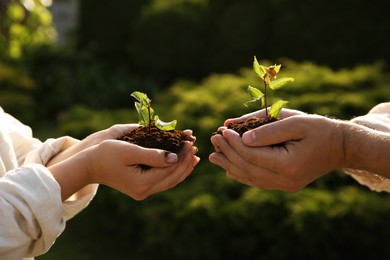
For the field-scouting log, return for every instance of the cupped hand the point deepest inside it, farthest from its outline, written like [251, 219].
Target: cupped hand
[118, 165]
[111, 133]
[261, 113]
[284, 155]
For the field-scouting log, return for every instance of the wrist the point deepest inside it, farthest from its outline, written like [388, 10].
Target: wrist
[366, 149]
[71, 174]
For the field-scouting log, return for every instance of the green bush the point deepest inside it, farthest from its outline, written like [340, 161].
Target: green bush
[81, 121]
[15, 92]
[64, 79]
[258, 224]
[24, 25]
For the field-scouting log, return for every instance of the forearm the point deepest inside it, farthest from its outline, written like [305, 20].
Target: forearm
[366, 149]
[89, 141]
[67, 153]
[71, 175]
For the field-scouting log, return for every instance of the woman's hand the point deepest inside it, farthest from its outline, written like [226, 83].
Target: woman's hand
[113, 132]
[118, 164]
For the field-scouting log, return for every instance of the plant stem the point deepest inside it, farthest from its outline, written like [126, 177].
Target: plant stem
[265, 97]
[150, 119]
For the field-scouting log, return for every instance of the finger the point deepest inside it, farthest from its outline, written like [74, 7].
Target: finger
[260, 113]
[187, 132]
[288, 129]
[233, 158]
[222, 161]
[134, 154]
[119, 129]
[267, 157]
[155, 179]
[171, 176]
[214, 141]
[253, 176]
[222, 146]
[221, 128]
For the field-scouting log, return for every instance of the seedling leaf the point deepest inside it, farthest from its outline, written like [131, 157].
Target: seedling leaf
[257, 97]
[255, 93]
[279, 83]
[141, 97]
[276, 108]
[166, 126]
[146, 113]
[143, 114]
[260, 70]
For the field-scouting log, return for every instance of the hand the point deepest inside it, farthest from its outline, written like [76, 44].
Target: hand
[260, 113]
[111, 133]
[285, 155]
[117, 164]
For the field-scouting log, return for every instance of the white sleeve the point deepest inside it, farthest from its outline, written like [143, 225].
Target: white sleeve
[43, 154]
[31, 212]
[379, 119]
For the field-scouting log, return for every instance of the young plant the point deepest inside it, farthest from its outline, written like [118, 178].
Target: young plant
[268, 76]
[146, 115]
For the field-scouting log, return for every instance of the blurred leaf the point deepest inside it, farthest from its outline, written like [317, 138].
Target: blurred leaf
[257, 98]
[166, 126]
[276, 108]
[259, 69]
[279, 83]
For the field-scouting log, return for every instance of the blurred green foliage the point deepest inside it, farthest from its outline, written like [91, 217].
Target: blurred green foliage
[190, 38]
[200, 47]
[24, 25]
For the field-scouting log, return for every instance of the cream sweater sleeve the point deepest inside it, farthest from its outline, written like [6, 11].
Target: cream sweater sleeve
[379, 119]
[32, 214]
[43, 154]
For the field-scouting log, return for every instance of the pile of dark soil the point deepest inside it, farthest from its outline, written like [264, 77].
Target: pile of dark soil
[248, 124]
[153, 137]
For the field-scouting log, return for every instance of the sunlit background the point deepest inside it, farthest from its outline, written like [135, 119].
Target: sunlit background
[67, 67]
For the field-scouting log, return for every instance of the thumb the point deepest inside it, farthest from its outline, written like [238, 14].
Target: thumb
[148, 156]
[278, 132]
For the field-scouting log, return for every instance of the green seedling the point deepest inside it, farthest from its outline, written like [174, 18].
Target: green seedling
[146, 115]
[268, 76]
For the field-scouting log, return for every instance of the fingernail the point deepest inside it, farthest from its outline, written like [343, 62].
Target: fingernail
[229, 134]
[171, 157]
[195, 161]
[194, 150]
[249, 137]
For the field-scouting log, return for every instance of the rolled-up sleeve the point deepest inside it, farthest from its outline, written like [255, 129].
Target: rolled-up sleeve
[43, 154]
[31, 212]
[378, 119]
